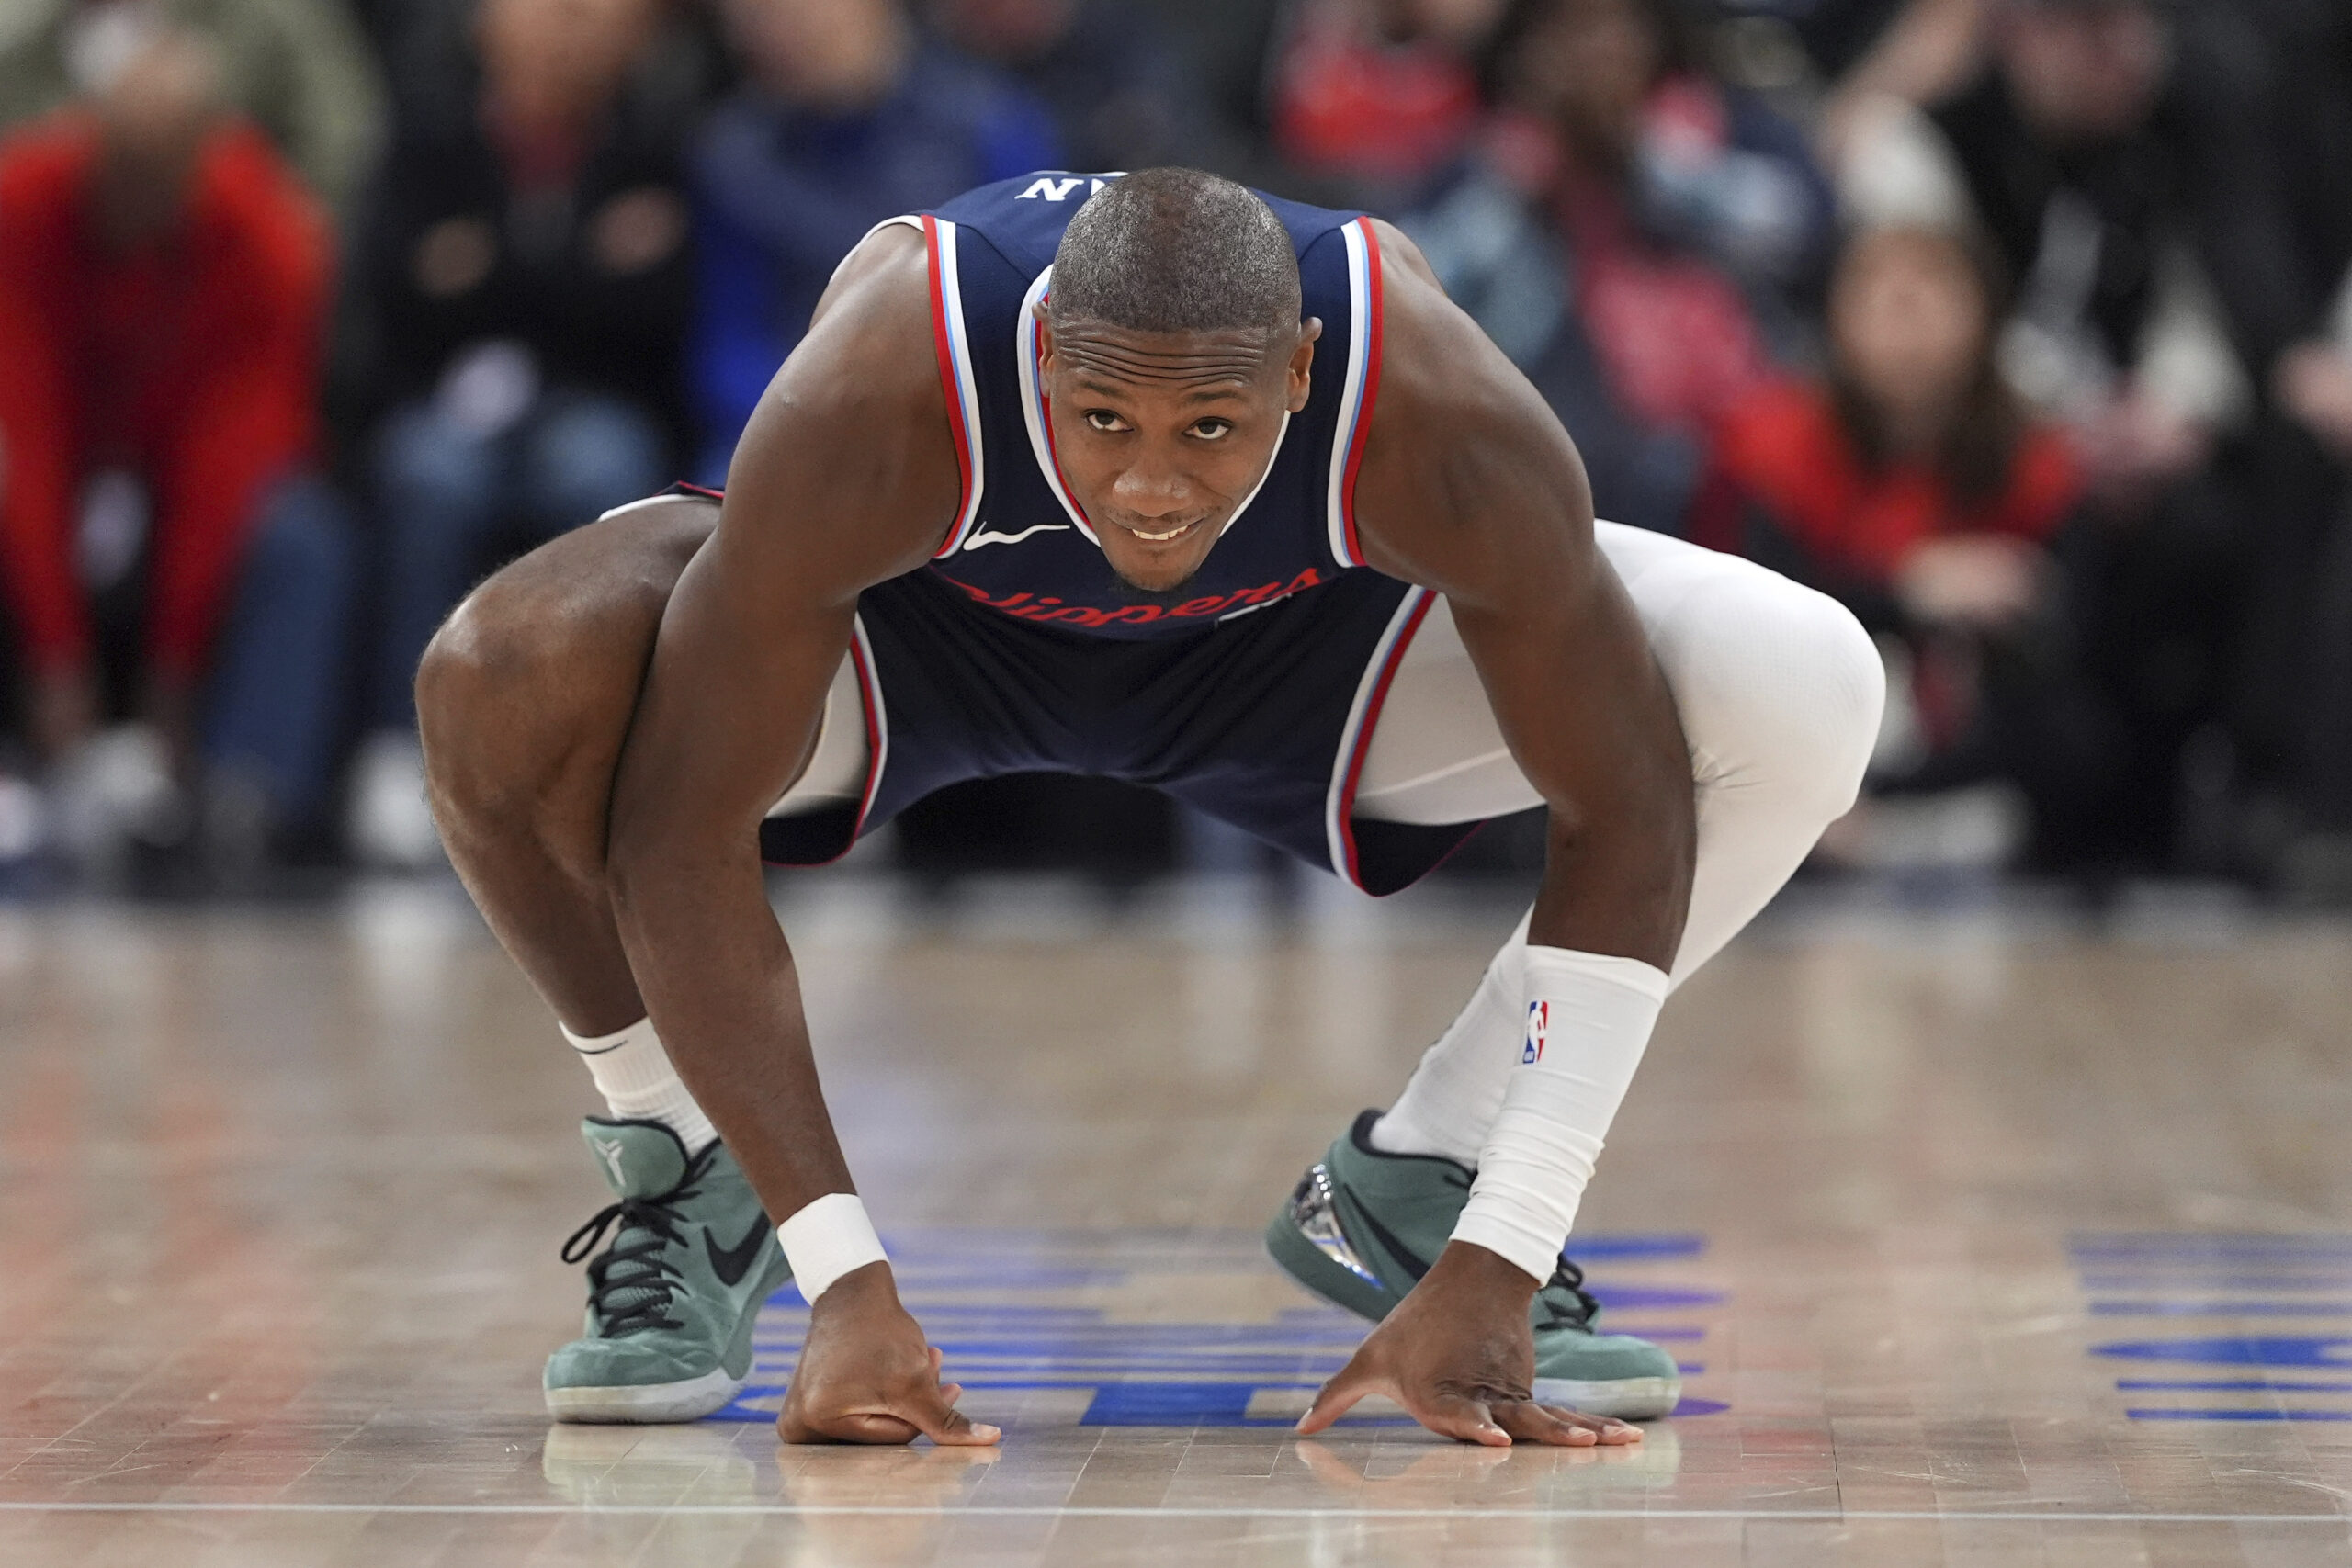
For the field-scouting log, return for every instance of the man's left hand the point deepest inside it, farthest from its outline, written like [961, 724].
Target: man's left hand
[1459, 1356]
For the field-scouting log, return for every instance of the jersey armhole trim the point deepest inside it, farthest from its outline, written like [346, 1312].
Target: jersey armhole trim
[877, 722]
[1360, 391]
[952, 347]
[1355, 740]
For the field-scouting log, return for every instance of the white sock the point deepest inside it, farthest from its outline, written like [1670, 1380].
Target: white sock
[1458, 1091]
[633, 1073]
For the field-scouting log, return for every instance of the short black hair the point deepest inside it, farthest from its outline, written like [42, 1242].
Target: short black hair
[1176, 251]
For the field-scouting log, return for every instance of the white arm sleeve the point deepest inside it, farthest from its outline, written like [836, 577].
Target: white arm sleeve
[1588, 1021]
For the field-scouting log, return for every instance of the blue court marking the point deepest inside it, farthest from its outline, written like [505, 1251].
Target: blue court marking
[1146, 1374]
[2227, 1385]
[1628, 1248]
[2262, 1351]
[2157, 1274]
[1617, 1298]
[2240, 1414]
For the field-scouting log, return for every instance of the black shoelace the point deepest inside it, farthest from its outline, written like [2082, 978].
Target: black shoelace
[631, 1287]
[1566, 1304]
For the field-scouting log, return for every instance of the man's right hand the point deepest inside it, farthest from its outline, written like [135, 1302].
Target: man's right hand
[866, 1374]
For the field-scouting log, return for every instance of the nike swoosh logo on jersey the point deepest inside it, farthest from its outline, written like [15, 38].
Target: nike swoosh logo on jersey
[731, 1265]
[986, 538]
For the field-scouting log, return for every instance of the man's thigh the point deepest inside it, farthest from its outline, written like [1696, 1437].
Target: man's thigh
[1437, 754]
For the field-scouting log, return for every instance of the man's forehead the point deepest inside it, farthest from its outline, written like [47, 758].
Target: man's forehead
[1100, 354]
[1188, 389]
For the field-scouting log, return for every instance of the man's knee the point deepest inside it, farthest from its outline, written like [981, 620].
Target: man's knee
[509, 703]
[488, 697]
[1779, 686]
[525, 693]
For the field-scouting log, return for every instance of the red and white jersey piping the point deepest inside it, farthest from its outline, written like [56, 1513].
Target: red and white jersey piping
[1361, 390]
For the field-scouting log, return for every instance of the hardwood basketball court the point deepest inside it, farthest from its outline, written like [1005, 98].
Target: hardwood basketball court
[1987, 1238]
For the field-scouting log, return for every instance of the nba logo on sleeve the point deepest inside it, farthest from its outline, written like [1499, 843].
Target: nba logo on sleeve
[1539, 1024]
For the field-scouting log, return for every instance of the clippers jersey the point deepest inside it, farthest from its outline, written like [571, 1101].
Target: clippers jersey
[1015, 650]
[1020, 545]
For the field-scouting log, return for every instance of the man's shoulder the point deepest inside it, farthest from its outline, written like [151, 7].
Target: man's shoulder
[878, 309]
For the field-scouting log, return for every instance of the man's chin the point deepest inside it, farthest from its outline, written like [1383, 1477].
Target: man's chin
[1169, 588]
[1155, 580]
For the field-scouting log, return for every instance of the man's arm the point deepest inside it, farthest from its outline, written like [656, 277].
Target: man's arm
[1471, 488]
[845, 476]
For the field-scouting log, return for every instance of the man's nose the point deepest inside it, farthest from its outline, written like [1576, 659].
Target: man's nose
[1152, 490]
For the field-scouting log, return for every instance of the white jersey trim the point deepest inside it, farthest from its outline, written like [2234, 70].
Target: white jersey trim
[955, 344]
[1032, 402]
[1363, 716]
[1362, 347]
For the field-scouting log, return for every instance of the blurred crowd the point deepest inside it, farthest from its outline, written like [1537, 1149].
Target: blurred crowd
[2023, 327]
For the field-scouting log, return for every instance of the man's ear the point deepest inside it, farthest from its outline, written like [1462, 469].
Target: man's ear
[1045, 338]
[1302, 364]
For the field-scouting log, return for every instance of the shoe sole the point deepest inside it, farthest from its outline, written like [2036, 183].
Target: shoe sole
[689, 1399]
[659, 1403]
[1626, 1399]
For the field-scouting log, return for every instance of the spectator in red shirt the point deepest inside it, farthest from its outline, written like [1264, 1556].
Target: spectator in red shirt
[163, 286]
[1911, 485]
[1377, 98]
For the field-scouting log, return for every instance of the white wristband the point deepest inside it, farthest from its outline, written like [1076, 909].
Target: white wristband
[1588, 1021]
[826, 1240]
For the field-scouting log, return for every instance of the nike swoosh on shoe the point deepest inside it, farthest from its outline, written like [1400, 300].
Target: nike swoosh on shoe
[1396, 1248]
[732, 1264]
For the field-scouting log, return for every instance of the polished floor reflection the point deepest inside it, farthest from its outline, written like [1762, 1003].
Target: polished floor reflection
[1987, 1238]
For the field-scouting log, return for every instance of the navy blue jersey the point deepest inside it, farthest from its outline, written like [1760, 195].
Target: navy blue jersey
[1020, 543]
[1015, 650]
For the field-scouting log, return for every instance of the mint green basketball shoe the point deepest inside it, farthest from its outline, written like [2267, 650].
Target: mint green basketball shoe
[672, 1302]
[1363, 1225]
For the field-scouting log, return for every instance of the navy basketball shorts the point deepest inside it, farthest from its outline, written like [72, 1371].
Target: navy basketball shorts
[1260, 720]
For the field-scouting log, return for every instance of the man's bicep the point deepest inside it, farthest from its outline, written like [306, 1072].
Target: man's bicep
[846, 476]
[847, 473]
[1470, 484]
[1481, 496]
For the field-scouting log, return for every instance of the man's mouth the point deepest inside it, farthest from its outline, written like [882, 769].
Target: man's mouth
[1162, 538]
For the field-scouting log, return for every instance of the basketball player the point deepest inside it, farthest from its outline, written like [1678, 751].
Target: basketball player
[1156, 478]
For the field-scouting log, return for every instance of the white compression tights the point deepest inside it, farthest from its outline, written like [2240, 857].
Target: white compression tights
[1778, 692]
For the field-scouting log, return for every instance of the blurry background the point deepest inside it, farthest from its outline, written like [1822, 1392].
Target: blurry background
[2022, 326]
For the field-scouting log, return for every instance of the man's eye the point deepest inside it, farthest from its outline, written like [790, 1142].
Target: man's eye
[1213, 429]
[1104, 419]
